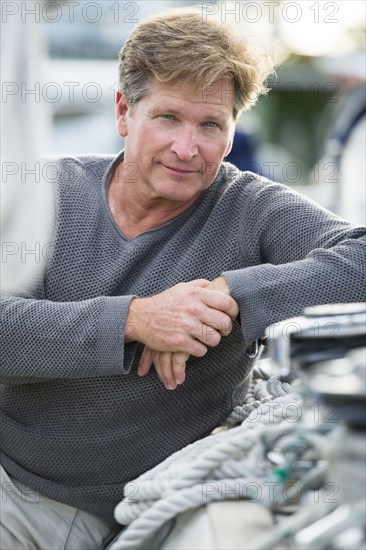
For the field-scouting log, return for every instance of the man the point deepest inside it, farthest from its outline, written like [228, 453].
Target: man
[164, 254]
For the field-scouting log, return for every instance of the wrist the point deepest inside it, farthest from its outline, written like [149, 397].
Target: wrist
[132, 326]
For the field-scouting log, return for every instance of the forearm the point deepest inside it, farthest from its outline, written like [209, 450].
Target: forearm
[295, 254]
[42, 340]
[270, 293]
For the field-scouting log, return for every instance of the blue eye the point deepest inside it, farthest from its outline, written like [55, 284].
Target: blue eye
[211, 124]
[168, 117]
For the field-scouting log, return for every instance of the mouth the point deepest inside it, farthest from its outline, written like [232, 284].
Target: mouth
[179, 171]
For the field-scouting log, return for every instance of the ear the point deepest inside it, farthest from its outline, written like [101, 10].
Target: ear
[121, 112]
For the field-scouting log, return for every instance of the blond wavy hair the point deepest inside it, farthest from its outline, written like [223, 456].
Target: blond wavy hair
[177, 47]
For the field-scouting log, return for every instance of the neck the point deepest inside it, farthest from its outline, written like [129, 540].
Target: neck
[136, 213]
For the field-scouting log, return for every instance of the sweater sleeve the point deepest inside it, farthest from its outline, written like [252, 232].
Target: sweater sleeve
[42, 340]
[301, 255]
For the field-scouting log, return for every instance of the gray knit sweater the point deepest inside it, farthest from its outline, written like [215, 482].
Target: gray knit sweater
[77, 422]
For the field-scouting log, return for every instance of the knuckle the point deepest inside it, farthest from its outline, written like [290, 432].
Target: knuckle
[226, 325]
[181, 340]
[216, 339]
[194, 310]
[201, 352]
[186, 324]
[211, 337]
[164, 362]
[228, 301]
[178, 360]
[227, 328]
[194, 291]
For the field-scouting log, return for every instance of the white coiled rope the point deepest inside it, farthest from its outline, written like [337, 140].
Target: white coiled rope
[259, 392]
[191, 477]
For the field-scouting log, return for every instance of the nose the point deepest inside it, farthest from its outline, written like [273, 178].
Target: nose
[185, 144]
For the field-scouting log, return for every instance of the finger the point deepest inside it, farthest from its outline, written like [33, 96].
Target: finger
[210, 336]
[146, 361]
[210, 332]
[220, 322]
[191, 344]
[203, 283]
[226, 327]
[164, 369]
[220, 301]
[201, 336]
[179, 360]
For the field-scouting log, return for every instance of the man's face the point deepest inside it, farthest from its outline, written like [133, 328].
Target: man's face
[176, 139]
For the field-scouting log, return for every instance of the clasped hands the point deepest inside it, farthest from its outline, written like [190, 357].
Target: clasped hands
[181, 321]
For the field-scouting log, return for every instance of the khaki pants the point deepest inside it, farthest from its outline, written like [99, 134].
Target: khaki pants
[30, 521]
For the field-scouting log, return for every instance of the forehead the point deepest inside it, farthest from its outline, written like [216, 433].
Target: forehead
[217, 97]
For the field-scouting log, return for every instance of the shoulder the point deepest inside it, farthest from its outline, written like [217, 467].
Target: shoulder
[68, 169]
[253, 185]
[248, 185]
[77, 176]
[260, 199]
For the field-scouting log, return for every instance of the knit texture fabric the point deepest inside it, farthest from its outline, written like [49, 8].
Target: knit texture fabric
[77, 422]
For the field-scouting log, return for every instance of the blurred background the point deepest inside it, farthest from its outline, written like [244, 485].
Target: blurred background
[60, 75]
[297, 134]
